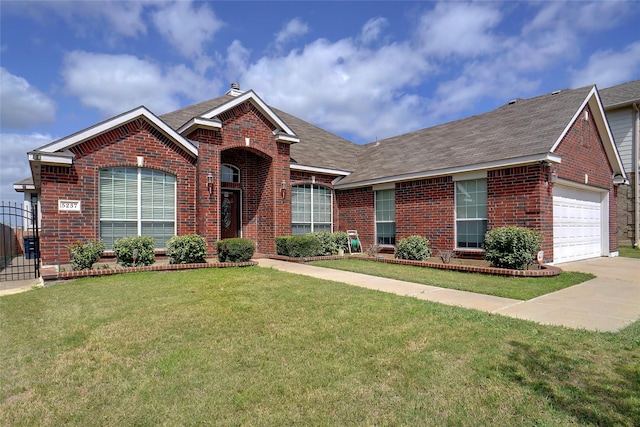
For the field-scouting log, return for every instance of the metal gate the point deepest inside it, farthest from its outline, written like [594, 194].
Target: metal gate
[19, 242]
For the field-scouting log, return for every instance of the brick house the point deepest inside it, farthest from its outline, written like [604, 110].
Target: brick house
[234, 166]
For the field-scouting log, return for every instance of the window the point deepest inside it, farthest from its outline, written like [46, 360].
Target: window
[137, 202]
[229, 173]
[385, 217]
[471, 213]
[311, 209]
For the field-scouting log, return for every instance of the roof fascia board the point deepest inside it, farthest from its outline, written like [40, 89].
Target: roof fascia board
[24, 187]
[593, 100]
[250, 95]
[548, 157]
[64, 158]
[198, 122]
[287, 138]
[325, 171]
[115, 122]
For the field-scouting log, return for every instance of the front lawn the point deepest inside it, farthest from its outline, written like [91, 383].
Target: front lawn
[522, 288]
[257, 346]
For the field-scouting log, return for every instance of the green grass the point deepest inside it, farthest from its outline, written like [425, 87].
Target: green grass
[256, 346]
[629, 252]
[522, 288]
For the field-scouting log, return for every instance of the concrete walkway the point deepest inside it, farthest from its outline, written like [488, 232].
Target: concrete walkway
[607, 303]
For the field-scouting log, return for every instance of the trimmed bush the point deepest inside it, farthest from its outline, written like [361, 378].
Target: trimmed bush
[304, 246]
[235, 250]
[282, 245]
[187, 249]
[341, 240]
[414, 248]
[327, 241]
[511, 247]
[141, 246]
[84, 255]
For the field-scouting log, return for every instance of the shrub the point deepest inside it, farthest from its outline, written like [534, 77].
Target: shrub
[511, 247]
[187, 249]
[304, 246]
[327, 242]
[282, 245]
[141, 246]
[235, 250]
[84, 255]
[414, 248]
[341, 240]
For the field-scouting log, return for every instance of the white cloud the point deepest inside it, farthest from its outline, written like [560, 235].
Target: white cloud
[186, 28]
[343, 86]
[608, 68]
[372, 30]
[13, 159]
[237, 60]
[116, 83]
[22, 105]
[294, 29]
[460, 29]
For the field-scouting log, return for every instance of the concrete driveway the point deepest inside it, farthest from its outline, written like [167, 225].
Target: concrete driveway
[609, 302]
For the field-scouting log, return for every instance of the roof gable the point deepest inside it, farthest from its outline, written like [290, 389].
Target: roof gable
[284, 132]
[64, 144]
[621, 95]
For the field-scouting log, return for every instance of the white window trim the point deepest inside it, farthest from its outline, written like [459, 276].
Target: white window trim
[375, 211]
[139, 220]
[455, 211]
[312, 222]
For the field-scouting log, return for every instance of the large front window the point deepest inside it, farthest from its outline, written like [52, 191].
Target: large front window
[471, 213]
[310, 209]
[137, 202]
[385, 217]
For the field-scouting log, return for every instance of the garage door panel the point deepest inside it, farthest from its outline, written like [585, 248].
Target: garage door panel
[577, 224]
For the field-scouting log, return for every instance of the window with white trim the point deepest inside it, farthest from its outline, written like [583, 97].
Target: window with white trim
[137, 202]
[385, 217]
[471, 213]
[311, 208]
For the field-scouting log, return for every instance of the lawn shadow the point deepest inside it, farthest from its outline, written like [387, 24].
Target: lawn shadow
[584, 387]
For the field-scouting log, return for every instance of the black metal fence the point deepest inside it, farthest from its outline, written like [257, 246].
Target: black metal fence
[19, 242]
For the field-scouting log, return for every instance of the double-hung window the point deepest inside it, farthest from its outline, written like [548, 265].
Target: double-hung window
[471, 213]
[137, 202]
[385, 217]
[311, 207]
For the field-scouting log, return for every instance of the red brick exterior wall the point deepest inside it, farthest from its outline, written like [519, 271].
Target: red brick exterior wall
[263, 164]
[583, 154]
[118, 148]
[356, 211]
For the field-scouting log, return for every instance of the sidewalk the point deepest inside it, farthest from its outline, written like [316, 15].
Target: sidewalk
[607, 303]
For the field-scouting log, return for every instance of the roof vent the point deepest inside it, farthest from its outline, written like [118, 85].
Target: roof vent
[513, 101]
[555, 92]
[235, 90]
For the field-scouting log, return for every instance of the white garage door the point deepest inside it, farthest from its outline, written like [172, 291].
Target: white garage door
[578, 224]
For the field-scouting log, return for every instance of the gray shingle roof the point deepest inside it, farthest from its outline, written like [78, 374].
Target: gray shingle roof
[620, 95]
[317, 147]
[525, 128]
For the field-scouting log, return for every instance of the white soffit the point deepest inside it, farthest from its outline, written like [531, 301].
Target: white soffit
[115, 122]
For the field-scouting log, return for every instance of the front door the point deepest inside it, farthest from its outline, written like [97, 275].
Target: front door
[230, 214]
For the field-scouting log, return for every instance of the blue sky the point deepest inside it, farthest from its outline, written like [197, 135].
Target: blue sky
[361, 69]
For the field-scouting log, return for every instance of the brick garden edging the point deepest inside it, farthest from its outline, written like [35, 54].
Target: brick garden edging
[545, 271]
[51, 274]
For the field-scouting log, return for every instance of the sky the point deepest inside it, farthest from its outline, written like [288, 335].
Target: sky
[364, 70]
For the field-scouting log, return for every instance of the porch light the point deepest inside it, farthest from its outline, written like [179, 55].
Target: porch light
[210, 183]
[283, 189]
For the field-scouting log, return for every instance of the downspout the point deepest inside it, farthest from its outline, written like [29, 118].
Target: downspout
[636, 175]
